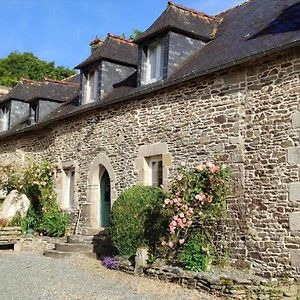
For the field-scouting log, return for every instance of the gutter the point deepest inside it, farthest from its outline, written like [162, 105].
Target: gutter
[157, 87]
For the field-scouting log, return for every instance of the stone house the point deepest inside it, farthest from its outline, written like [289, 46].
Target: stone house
[191, 87]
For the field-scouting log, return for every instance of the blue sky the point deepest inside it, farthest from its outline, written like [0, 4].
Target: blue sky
[60, 30]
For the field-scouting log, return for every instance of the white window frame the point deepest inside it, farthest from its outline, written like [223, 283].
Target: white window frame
[91, 95]
[5, 118]
[158, 76]
[149, 169]
[70, 187]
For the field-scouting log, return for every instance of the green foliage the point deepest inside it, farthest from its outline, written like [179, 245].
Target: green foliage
[197, 253]
[135, 34]
[137, 219]
[25, 65]
[36, 182]
[197, 201]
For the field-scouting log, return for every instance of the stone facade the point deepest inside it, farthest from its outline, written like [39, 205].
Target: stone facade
[246, 115]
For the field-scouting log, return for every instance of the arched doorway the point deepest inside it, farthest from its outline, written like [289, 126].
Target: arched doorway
[101, 193]
[105, 199]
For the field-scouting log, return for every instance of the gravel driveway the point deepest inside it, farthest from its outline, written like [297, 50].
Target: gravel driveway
[29, 275]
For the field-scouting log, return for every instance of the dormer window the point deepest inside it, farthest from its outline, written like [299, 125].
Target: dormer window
[91, 87]
[154, 63]
[4, 118]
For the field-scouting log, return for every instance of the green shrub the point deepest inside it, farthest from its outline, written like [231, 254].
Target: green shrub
[137, 219]
[197, 253]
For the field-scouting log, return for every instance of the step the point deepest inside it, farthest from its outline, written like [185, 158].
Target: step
[15, 228]
[75, 247]
[8, 239]
[7, 245]
[62, 254]
[10, 233]
[80, 239]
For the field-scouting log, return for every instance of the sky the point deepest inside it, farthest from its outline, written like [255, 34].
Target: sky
[60, 30]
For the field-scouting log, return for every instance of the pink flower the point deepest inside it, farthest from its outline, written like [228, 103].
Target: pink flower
[163, 243]
[212, 167]
[201, 197]
[179, 177]
[171, 244]
[222, 181]
[181, 241]
[181, 215]
[173, 223]
[177, 193]
[201, 167]
[167, 201]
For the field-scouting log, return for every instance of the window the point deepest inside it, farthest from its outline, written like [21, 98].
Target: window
[91, 87]
[154, 63]
[4, 118]
[35, 113]
[154, 171]
[70, 187]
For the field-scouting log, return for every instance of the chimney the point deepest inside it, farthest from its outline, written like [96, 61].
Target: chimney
[95, 44]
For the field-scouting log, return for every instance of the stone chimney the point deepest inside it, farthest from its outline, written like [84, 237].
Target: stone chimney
[95, 44]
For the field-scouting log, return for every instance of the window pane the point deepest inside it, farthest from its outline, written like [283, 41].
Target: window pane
[152, 62]
[91, 84]
[161, 66]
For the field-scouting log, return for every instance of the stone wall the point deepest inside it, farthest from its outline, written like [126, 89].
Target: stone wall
[245, 115]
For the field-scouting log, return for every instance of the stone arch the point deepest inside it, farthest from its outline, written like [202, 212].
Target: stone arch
[92, 208]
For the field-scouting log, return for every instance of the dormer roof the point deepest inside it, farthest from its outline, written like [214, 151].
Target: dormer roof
[54, 90]
[114, 48]
[182, 19]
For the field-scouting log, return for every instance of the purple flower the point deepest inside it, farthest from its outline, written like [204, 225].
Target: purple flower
[110, 263]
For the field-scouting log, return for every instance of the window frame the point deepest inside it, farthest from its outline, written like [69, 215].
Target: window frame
[150, 161]
[157, 48]
[91, 92]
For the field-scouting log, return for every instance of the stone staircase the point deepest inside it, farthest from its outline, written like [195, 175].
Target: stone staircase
[9, 237]
[93, 246]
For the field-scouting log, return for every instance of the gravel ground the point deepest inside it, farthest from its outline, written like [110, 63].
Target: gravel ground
[31, 276]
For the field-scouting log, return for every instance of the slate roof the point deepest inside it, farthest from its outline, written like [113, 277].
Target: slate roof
[182, 19]
[74, 79]
[255, 27]
[250, 30]
[53, 90]
[114, 48]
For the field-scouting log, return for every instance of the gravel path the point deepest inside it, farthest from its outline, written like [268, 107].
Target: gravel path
[31, 276]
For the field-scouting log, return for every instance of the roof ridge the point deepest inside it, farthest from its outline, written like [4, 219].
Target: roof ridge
[170, 3]
[119, 38]
[233, 7]
[60, 81]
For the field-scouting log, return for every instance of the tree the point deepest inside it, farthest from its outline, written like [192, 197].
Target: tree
[26, 65]
[135, 34]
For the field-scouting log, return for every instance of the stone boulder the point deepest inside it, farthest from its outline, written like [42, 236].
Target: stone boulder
[14, 203]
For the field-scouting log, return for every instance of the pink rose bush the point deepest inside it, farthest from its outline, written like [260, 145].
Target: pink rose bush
[197, 198]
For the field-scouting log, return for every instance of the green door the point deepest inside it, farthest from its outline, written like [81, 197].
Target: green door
[105, 205]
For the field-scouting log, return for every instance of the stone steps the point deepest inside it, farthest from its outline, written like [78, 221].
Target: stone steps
[10, 231]
[63, 254]
[89, 245]
[76, 247]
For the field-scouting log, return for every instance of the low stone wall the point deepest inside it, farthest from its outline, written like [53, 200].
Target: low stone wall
[230, 284]
[38, 243]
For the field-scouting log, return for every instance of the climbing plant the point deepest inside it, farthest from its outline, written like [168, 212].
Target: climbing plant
[197, 205]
